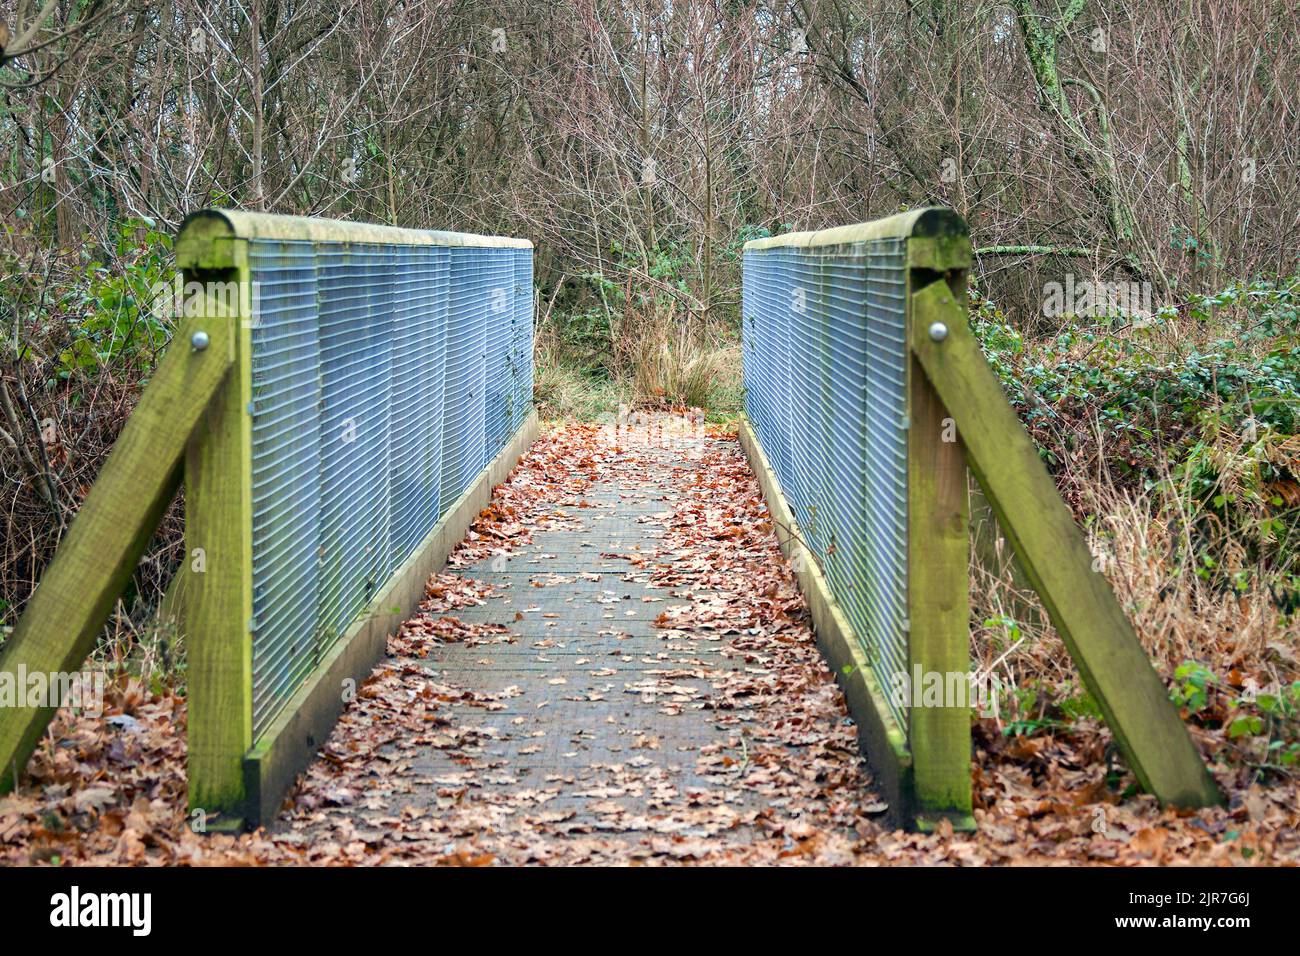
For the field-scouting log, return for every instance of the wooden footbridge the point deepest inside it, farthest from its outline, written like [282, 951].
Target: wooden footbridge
[340, 400]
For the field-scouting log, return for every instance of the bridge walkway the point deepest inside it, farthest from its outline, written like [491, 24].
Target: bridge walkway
[616, 666]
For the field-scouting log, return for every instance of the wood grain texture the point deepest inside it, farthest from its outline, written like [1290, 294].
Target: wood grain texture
[1055, 557]
[104, 543]
[938, 597]
[219, 597]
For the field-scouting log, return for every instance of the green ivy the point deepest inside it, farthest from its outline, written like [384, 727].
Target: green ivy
[1210, 427]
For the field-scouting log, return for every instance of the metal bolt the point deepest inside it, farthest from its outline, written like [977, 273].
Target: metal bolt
[199, 341]
[938, 331]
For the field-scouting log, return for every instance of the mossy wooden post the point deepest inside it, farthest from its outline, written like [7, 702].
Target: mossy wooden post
[1055, 557]
[938, 573]
[218, 541]
[95, 560]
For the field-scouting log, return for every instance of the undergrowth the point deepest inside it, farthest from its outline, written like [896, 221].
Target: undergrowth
[643, 341]
[1176, 442]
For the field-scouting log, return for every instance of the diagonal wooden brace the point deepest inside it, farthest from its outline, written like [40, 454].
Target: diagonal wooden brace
[1055, 557]
[95, 561]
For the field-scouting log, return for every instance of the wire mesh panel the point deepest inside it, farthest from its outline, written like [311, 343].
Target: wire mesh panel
[879, 606]
[807, 401]
[498, 398]
[826, 390]
[463, 440]
[419, 365]
[782, 306]
[768, 285]
[285, 367]
[521, 349]
[370, 415]
[356, 332]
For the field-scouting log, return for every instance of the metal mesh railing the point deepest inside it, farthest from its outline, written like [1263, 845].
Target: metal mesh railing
[825, 367]
[384, 378]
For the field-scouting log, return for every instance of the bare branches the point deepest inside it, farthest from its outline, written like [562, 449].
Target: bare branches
[34, 33]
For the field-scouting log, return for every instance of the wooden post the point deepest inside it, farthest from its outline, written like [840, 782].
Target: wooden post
[93, 563]
[938, 586]
[1055, 557]
[218, 565]
[938, 597]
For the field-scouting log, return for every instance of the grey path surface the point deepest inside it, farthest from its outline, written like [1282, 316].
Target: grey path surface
[599, 687]
[618, 670]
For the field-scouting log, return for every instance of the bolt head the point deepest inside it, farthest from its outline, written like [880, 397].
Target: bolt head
[199, 341]
[938, 331]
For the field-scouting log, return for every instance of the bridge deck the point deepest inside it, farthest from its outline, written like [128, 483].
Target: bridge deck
[615, 667]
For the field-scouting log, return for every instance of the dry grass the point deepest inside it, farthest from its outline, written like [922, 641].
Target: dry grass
[1181, 612]
[562, 391]
[674, 362]
[684, 370]
[658, 359]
